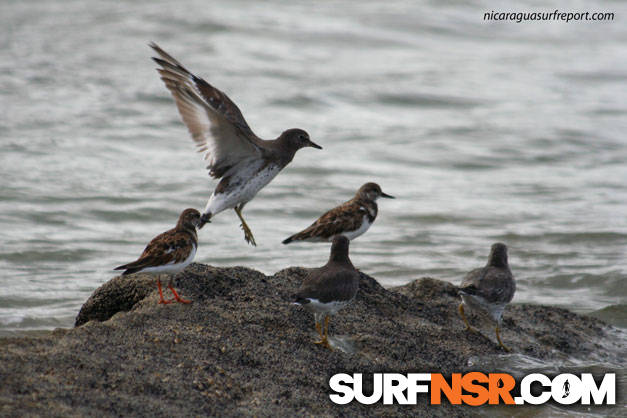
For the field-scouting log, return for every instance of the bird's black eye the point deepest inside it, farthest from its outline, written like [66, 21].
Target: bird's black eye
[301, 137]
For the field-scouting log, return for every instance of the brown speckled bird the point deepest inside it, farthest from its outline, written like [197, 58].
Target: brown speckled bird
[350, 219]
[169, 253]
[489, 289]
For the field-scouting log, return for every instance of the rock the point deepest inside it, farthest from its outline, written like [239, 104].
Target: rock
[242, 348]
[117, 295]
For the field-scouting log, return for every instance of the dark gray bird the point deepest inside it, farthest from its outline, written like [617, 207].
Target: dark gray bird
[489, 289]
[242, 161]
[329, 288]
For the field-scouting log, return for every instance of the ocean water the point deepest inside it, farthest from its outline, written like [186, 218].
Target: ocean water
[484, 131]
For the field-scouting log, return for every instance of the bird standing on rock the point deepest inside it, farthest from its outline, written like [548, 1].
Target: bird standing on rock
[489, 289]
[169, 253]
[242, 161]
[329, 288]
[350, 219]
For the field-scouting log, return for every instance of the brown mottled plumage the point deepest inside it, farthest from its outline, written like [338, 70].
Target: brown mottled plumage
[169, 252]
[329, 288]
[244, 162]
[489, 289]
[350, 219]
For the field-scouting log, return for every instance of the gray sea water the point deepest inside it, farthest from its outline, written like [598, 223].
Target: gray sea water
[484, 131]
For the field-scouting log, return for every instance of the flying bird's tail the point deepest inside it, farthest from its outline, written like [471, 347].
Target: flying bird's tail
[205, 218]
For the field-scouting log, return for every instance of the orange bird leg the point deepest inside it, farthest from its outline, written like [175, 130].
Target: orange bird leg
[161, 300]
[176, 295]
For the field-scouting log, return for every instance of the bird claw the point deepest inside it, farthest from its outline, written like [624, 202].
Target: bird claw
[248, 235]
[325, 343]
[473, 329]
[176, 296]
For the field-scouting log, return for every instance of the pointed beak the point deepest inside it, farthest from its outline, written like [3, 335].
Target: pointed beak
[387, 196]
[314, 145]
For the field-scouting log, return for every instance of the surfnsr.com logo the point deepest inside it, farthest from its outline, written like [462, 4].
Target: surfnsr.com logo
[474, 389]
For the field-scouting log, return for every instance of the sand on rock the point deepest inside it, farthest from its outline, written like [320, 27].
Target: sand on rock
[241, 347]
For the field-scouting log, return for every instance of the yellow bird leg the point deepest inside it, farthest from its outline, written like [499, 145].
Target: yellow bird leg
[325, 338]
[498, 337]
[319, 329]
[461, 313]
[248, 234]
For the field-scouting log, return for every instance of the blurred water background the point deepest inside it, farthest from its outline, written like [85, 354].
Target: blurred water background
[484, 131]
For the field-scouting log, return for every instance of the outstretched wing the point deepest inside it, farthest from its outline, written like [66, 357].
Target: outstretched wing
[215, 123]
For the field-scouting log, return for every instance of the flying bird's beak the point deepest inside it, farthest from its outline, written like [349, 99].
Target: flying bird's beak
[387, 196]
[314, 145]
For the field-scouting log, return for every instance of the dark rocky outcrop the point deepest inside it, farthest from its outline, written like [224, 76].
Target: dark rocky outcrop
[119, 294]
[241, 348]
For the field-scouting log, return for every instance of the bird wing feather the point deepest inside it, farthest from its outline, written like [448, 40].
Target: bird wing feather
[325, 286]
[494, 284]
[346, 217]
[171, 247]
[215, 123]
